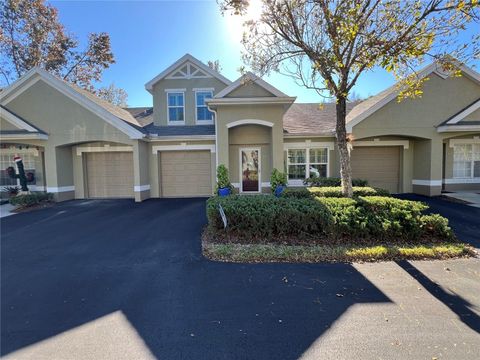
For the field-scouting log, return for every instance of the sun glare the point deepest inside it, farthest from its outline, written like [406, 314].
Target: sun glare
[235, 22]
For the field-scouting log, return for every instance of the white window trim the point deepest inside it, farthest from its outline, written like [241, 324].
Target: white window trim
[475, 140]
[259, 169]
[173, 91]
[472, 162]
[202, 122]
[298, 182]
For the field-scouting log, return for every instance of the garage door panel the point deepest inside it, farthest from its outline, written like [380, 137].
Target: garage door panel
[379, 165]
[110, 174]
[185, 173]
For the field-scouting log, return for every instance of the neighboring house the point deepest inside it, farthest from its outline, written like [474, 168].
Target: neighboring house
[79, 146]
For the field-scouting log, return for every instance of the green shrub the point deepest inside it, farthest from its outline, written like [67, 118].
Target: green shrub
[312, 192]
[30, 199]
[436, 226]
[264, 217]
[332, 181]
[325, 219]
[223, 180]
[277, 178]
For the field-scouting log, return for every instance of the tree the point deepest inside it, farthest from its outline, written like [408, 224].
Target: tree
[214, 65]
[114, 95]
[32, 35]
[327, 44]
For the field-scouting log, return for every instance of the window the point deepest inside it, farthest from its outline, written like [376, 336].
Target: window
[305, 163]
[203, 114]
[176, 107]
[6, 160]
[466, 161]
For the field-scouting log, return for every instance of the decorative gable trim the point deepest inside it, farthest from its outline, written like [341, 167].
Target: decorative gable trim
[194, 69]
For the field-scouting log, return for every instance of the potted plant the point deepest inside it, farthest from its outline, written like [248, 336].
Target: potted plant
[224, 187]
[278, 182]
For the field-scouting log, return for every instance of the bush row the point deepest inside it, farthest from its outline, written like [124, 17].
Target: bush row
[30, 199]
[329, 191]
[363, 219]
[332, 181]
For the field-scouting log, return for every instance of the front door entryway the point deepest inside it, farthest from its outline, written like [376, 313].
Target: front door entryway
[250, 170]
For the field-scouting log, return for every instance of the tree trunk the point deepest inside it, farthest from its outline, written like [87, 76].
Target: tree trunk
[343, 147]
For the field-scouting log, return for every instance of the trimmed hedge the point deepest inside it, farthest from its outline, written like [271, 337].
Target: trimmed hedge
[30, 199]
[266, 216]
[332, 181]
[369, 219]
[312, 192]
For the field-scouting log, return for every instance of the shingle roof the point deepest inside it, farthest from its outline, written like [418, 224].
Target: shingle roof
[144, 115]
[187, 130]
[117, 111]
[363, 106]
[313, 118]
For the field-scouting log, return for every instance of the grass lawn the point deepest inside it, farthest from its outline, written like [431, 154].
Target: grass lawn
[253, 253]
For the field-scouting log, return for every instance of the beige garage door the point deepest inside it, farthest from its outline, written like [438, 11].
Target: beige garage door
[109, 174]
[185, 173]
[379, 165]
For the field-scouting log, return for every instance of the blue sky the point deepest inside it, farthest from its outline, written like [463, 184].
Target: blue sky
[148, 36]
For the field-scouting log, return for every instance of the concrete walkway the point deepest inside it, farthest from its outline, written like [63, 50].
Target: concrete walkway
[6, 210]
[471, 197]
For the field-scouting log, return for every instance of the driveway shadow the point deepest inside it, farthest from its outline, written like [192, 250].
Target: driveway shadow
[69, 265]
[454, 302]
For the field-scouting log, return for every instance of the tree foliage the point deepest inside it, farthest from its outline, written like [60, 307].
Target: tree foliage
[214, 65]
[32, 35]
[326, 45]
[112, 94]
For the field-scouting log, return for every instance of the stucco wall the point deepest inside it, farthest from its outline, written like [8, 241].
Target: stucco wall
[67, 124]
[249, 90]
[160, 96]
[5, 125]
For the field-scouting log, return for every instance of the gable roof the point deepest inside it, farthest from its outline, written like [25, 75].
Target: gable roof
[246, 78]
[143, 114]
[114, 115]
[312, 119]
[187, 58]
[19, 122]
[376, 102]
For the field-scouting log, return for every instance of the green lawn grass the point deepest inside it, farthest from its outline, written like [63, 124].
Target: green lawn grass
[255, 253]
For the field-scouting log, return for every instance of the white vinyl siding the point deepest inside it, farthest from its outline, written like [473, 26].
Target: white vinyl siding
[305, 163]
[466, 161]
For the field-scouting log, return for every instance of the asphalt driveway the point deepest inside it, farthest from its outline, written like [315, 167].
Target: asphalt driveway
[117, 280]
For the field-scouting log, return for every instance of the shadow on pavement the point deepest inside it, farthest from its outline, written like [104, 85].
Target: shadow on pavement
[76, 262]
[454, 302]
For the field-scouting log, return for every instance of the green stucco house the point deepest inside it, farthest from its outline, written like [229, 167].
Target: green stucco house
[79, 146]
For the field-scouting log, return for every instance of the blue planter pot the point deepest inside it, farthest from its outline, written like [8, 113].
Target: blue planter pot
[224, 191]
[279, 190]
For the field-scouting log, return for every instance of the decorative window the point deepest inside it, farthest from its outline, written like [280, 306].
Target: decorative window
[466, 161]
[203, 114]
[305, 163]
[176, 107]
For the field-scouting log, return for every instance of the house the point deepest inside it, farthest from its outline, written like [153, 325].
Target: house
[79, 146]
